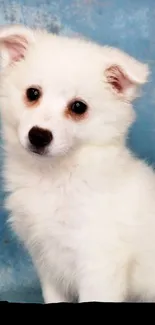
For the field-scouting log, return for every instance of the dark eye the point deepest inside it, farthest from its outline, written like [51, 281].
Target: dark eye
[33, 94]
[78, 107]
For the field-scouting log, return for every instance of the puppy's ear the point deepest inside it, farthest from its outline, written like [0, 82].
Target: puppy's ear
[14, 42]
[125, 74]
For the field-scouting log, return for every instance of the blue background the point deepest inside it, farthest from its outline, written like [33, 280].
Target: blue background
[127, 24]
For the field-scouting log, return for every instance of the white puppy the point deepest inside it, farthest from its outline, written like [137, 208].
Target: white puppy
[80, 201]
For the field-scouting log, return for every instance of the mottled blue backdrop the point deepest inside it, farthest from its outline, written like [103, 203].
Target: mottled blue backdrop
[127, 24]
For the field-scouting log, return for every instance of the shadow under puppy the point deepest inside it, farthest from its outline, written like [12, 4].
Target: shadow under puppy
[83, 205]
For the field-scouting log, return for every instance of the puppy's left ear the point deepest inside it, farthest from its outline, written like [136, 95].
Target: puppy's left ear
[14, 42]
[125, 74]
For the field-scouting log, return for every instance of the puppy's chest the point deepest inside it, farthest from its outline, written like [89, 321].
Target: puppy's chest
[61, 200]
[60, 204]
[56, 213]
[54, 202]
[50, 214]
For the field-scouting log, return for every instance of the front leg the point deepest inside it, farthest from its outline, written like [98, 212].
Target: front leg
[51, 289]
[51, 294]
[106, 284]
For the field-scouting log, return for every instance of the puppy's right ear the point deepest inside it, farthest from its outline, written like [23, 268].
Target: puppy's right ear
[14, 42]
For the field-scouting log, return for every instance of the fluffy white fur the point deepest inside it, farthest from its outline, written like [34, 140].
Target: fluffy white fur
[86, 209]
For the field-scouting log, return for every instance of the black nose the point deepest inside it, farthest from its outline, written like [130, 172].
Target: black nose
[40, 138]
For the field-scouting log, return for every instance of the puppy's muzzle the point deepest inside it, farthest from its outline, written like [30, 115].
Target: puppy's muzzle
[39, 139]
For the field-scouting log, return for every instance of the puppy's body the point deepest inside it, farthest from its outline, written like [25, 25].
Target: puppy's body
[89, 226]
[85, 209]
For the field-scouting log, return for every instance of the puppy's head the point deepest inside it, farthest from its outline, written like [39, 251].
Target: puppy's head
[57, 93]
